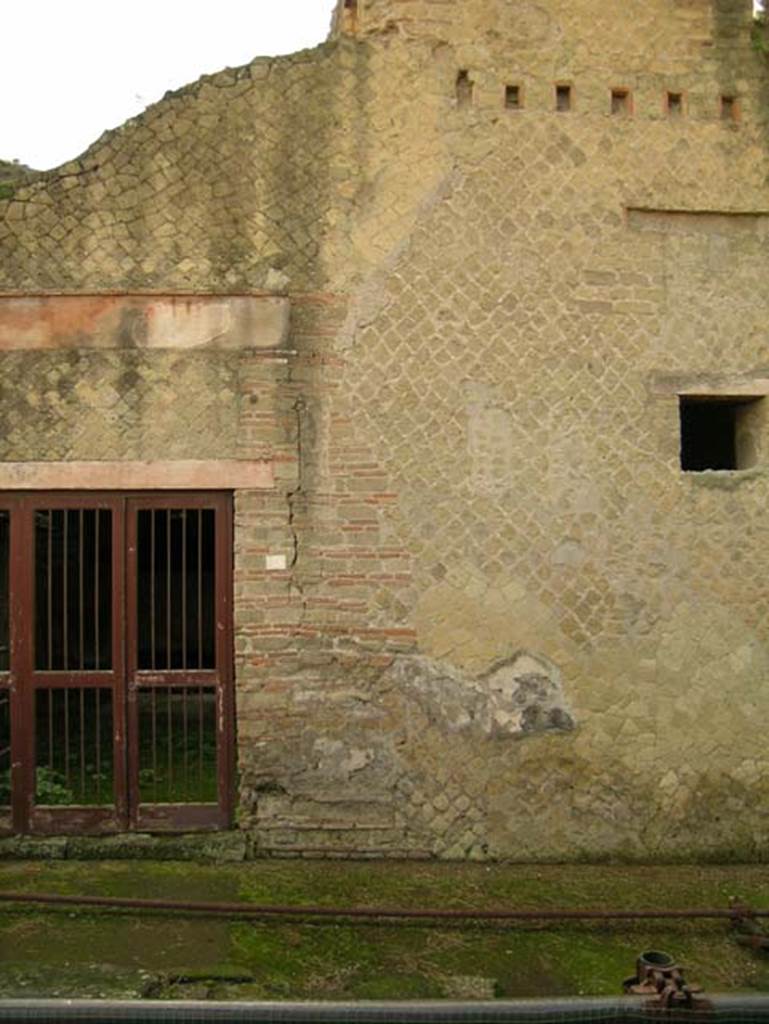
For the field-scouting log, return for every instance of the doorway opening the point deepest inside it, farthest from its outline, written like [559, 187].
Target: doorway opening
[116, 707]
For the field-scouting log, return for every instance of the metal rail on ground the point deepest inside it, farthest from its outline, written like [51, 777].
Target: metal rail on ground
[733, 913]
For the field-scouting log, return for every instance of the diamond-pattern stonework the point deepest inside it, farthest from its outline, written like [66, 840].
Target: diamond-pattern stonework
[117, 405]
[508, 624]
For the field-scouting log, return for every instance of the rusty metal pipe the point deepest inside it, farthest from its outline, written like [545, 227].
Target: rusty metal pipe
[627, 1010]
[394, 913]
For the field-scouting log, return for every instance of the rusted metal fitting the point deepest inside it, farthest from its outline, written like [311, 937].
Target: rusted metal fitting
[657, 974]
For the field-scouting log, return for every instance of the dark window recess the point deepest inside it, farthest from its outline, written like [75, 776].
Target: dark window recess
[728, 108]
[620, 101]
[563, 97]
[719, 433]
[5, 748]
[5, 650]
[177, 745]
[513, 97]
[73, 589]
[73, 746]
[675, 104]
[175, 562]
[464, 89]
[351, 5]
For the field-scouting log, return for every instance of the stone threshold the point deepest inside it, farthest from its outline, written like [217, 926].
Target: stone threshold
[218, 847]
[204, 847]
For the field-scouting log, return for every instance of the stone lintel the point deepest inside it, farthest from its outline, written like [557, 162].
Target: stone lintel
[143, 322]
[704, 385]
[187, 474]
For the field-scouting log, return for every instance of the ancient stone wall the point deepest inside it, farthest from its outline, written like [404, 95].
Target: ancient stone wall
[483, 612]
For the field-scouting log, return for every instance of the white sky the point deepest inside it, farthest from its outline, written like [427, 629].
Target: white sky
[69, 69]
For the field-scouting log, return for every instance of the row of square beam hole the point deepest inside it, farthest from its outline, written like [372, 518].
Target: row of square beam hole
[620, 100]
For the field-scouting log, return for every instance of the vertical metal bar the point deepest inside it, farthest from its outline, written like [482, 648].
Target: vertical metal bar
[81, 608]
[65, 694]
[153, 691]
[50, 729]
[49, 589]
[170, 744]
[97, 702]
[168, 589]
[65, 599]
[96, 606]
[82, 741]
[184, 741]
[153, 513]
[184, 588]
[200, 736]
[200, 589]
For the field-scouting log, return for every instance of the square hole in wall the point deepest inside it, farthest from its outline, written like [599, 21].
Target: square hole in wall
[720, 432]
[620, 101]
[563, 97]
[675, 104]
[513, 97]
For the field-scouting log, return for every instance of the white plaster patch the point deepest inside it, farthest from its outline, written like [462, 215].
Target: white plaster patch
[516, 697]
[336, 759]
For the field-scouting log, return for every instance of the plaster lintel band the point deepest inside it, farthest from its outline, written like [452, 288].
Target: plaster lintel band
[190, 474]
[186, 322]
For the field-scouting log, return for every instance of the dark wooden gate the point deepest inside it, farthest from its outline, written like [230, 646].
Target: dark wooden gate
[115, 662]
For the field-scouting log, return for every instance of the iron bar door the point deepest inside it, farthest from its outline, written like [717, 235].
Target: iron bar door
[115, 662]
[179, 664]
[67, 663]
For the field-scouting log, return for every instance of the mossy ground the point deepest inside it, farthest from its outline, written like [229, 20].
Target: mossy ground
[70, 953]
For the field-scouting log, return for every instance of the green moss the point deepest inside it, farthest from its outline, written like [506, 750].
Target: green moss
[295, 959]
[7, 191]
[400, 986]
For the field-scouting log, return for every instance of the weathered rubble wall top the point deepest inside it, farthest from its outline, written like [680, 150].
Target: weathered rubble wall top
[300, 171]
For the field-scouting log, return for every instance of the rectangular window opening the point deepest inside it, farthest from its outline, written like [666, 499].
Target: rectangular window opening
[513, 97]
[728, 108]
[720, 432]
[620, 101]
[675, 104]
[464, 88]
[563, 98]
